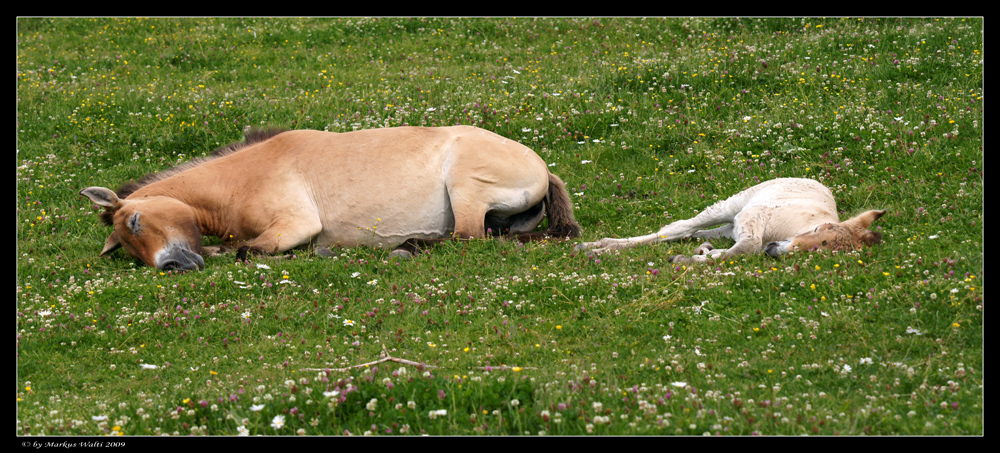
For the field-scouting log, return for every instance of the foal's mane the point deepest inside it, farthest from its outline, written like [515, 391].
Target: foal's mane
[250, 137]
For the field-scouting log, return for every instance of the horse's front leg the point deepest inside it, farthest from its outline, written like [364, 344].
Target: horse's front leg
[281, 236]
[217, 250]
[413, 246]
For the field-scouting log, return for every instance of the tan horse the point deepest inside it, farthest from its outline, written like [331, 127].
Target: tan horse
[786, 214]
[285, 189]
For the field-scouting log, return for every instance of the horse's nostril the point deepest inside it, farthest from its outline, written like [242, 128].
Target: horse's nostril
[177, 265]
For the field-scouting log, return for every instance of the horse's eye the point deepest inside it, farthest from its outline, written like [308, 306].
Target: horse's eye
[133, 223]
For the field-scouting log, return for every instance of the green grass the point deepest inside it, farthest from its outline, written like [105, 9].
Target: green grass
[647, 120]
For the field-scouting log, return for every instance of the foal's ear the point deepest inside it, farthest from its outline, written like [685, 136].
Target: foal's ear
[102, 197]
[865, 219]
[871, 238]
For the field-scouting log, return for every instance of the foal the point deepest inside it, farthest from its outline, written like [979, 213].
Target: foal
[776, 217]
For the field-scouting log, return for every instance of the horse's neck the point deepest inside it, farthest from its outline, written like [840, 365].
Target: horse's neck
[210, 210]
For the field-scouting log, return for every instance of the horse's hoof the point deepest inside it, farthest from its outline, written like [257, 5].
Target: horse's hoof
[324, 252]
[400, 254]
[241, 254]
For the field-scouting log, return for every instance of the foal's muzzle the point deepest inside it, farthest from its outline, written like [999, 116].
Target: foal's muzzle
[775, 249]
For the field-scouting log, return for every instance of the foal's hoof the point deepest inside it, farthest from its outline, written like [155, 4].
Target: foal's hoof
[680, 259]
[703, 249]
[400, 254]
[324, 252]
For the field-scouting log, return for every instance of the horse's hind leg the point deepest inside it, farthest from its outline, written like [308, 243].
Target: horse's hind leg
[469, 210]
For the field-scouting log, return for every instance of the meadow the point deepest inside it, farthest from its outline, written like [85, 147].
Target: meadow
[648, 120]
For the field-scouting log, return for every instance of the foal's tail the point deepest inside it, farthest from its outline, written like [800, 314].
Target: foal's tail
[559, 209]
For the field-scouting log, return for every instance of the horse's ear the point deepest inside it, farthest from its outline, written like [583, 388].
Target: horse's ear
[112, 243]
[102, 197]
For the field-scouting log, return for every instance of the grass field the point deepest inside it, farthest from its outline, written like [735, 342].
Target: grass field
[647, 120]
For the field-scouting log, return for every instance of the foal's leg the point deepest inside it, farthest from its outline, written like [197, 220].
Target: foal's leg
[725, 231]
[722, 212]
[748, 227]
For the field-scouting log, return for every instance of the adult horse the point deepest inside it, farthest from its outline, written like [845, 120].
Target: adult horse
[786, 214]
[279, 190]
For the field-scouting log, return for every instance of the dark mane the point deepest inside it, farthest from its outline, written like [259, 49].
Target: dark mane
[250, 137]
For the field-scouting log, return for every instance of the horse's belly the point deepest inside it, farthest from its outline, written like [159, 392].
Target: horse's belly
[384, 227]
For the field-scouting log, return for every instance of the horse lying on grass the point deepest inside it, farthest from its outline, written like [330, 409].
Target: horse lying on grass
[786, 214]
[279, 190]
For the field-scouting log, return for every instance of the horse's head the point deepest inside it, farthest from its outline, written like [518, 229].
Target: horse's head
[160, 231]
[847, 235]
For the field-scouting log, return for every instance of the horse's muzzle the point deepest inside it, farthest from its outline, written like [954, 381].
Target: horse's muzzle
[179, 258]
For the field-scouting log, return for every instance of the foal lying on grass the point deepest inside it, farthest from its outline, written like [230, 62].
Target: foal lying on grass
[776, 216]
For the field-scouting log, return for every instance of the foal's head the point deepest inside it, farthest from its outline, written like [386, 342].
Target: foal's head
[847, 235]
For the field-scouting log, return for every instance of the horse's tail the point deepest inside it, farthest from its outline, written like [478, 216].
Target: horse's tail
[556, 205]
[559, 210]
